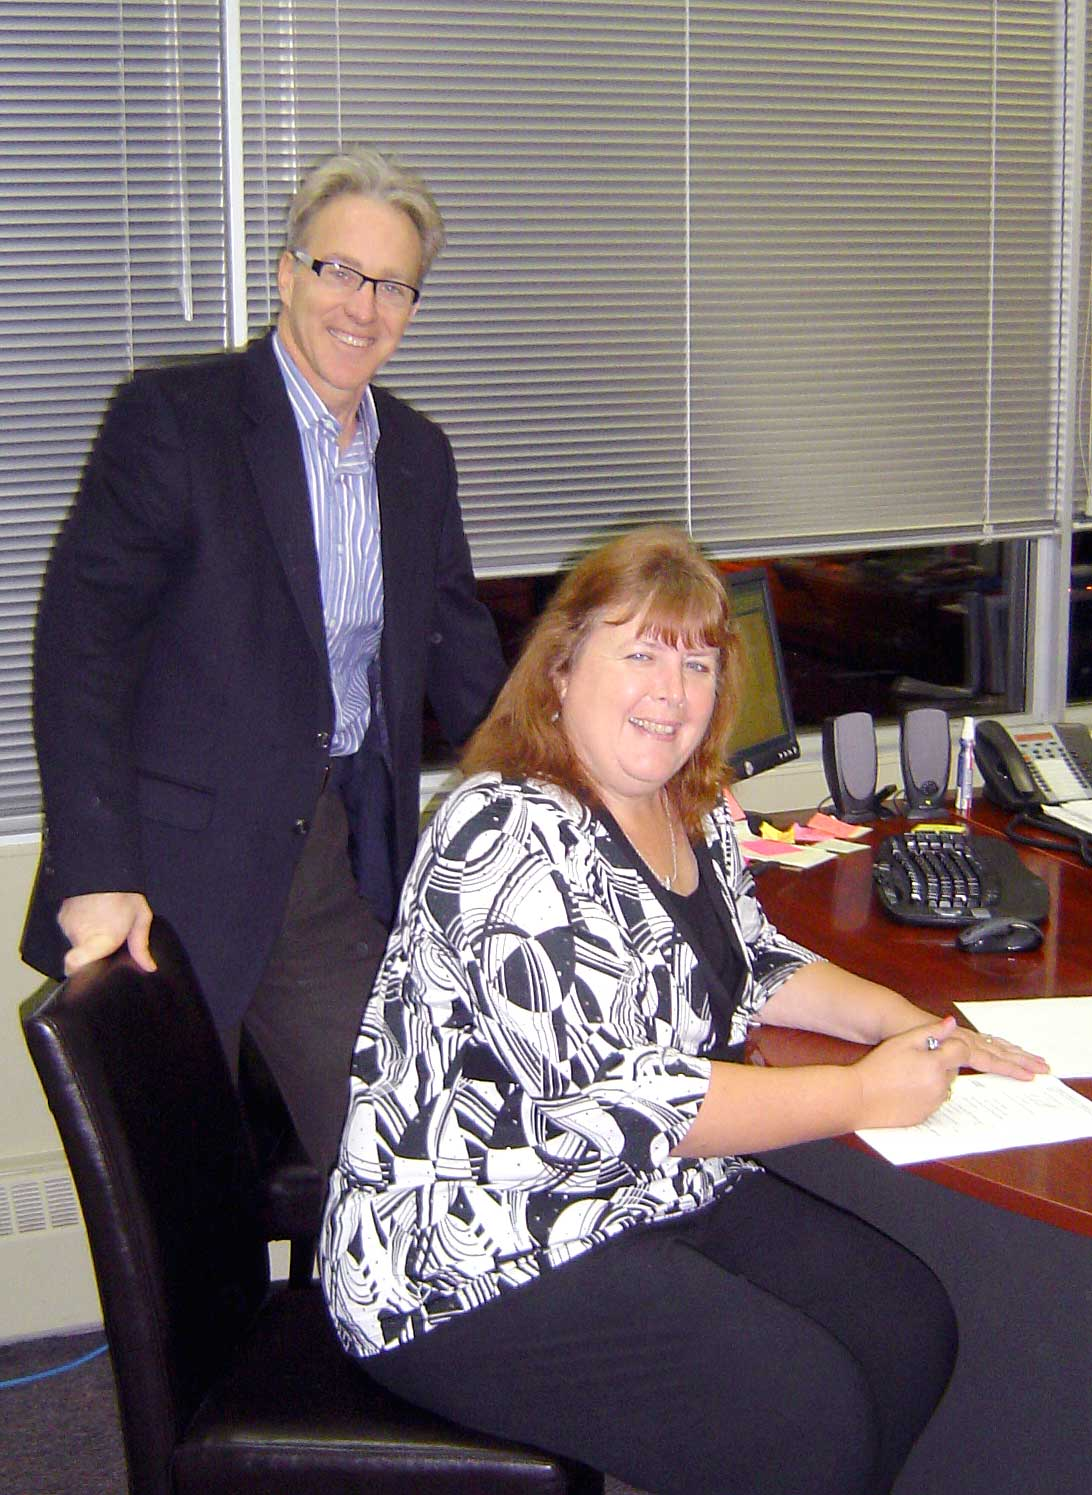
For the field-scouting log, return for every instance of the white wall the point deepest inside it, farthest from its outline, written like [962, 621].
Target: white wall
[46, 1281]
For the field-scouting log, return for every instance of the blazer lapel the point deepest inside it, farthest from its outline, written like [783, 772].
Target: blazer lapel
[271, 442]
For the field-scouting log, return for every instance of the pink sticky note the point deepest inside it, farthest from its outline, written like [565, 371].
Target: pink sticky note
[830, 825]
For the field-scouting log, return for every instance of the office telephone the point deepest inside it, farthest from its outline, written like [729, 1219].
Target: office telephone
[1025, 767]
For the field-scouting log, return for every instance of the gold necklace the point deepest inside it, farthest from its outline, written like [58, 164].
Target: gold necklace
[669, 882]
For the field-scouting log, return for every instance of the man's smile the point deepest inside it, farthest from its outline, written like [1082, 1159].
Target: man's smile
[352, 339]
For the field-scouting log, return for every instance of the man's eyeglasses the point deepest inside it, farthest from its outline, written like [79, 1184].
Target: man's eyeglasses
[346, 282]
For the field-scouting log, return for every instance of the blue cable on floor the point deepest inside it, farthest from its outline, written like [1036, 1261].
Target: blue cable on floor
[42, 1375]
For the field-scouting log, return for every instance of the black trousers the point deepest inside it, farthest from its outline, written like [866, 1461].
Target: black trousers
[304, 1015]
[770, 1343]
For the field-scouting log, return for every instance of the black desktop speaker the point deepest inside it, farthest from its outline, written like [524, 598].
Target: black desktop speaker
[850, 764]
[925, 752]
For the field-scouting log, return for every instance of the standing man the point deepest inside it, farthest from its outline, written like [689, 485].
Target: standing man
[264, 574]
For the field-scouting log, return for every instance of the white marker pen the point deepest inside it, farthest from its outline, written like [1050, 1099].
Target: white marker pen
[964, 790]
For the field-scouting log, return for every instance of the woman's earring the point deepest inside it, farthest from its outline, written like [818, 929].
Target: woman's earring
[556, 716]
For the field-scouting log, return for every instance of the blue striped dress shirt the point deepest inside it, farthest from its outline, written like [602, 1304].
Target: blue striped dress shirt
[345, 513]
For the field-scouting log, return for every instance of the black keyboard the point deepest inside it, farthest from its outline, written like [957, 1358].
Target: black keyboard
[953, 877]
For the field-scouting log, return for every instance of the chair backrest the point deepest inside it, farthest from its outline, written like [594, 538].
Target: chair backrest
[139, 1085]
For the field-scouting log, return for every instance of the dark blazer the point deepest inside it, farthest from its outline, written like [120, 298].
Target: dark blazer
[183, 707]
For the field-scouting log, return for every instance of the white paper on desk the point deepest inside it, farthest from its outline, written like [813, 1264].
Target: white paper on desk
[784, 853]
[1058, 1028]
[1076, 813]
[839, 847]
[986, 1113]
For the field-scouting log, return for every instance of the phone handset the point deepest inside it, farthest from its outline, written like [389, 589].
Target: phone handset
[1003, 769]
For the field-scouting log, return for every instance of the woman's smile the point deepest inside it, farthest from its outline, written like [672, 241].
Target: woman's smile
[658, 729]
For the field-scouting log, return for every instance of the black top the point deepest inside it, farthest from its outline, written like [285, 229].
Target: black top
[703, 923]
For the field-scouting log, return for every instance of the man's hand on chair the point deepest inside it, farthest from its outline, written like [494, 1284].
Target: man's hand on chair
[97, 924]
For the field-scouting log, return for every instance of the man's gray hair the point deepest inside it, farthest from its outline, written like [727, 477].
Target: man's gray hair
[363, 170]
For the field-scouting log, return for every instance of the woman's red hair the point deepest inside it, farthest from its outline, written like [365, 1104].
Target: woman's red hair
[659, 576]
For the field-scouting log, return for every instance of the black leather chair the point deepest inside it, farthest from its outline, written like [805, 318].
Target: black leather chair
[226, 1386]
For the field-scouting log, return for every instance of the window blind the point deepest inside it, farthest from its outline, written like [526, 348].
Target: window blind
[1082, 330]
[786, 274]
[874, 271]
[551, 340]
[111, 217]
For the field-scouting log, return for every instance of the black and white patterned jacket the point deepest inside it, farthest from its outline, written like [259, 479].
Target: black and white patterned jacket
[534, 1047]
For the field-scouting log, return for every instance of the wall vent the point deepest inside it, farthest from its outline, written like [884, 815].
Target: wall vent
[31, 1202]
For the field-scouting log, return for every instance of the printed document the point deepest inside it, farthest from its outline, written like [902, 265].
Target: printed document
[986, 1113]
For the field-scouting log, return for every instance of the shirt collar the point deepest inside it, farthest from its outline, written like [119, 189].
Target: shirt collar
[309, 410]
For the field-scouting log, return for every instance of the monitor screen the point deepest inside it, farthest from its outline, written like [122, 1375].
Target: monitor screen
[764, 734]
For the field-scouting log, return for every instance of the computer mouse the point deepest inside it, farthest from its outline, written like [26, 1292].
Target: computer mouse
[999, 934]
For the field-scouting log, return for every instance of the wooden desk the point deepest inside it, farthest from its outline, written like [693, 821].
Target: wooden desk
[833, 910]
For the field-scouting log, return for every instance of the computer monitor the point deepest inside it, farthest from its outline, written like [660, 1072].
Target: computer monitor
[764, 734]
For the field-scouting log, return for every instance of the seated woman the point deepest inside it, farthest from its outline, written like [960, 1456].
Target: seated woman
[543, 1222]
